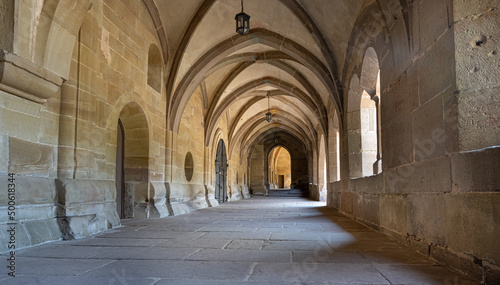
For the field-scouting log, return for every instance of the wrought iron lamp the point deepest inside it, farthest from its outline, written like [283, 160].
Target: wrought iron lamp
[269, 115]
[242, 22]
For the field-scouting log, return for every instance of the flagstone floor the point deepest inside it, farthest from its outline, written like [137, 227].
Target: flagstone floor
[254, 241]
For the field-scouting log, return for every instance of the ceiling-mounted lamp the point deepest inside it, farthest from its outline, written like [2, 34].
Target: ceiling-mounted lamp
[242, 22]
[269, 115]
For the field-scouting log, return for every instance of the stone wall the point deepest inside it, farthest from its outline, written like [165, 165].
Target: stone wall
[438, 192]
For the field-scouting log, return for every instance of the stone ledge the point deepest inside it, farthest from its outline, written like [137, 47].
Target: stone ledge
[15, 72]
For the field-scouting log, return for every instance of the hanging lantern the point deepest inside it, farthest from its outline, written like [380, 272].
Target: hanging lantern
[242, 22]
[269, 115]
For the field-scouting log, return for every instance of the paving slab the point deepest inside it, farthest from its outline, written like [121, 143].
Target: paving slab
[314, 272]
[60, 251]
[79, 280]
[421, 274]
[176, 269]
[54, 266]
[120, 242]
[237, 235]
[295, 245]
[144, 253]
[246, 244]
[147, 234]
[327, 256]
[241, 255]
[195, 243]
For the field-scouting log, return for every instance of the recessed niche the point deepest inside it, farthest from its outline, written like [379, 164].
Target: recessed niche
[189, 166]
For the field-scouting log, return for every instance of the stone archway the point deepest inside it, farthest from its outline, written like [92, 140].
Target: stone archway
[280, 168]
[221, 172]
[134, 188]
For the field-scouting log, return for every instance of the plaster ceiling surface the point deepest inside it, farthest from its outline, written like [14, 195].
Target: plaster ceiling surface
[291, 43]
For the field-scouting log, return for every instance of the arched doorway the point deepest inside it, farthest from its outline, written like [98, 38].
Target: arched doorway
[221, 173]
[132, 163]
[120, 173]
[280, 168]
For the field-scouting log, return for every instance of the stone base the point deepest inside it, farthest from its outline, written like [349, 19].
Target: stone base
[180, 209]
[199, 202]
[246, 192]
[30, 233]
[82, 226]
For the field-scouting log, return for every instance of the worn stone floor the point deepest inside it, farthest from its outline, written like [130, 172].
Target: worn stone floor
[254, 241]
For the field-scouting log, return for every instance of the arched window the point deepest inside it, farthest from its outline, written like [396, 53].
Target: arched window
[334, 148]
[365, 151]
[154, 68]
[370, 114]
[322, 171]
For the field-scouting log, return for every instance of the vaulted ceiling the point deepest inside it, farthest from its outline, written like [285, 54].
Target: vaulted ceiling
[293, 55]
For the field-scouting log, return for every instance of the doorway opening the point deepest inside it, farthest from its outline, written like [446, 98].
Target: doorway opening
[132, 163]
[120, 173]
[221, 173]
[280, 168]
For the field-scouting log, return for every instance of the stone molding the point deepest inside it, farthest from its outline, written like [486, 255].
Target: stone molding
[27, 80]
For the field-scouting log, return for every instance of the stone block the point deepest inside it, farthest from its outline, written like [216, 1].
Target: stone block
[355, 165]
[367, 209]
[465, 8]
[397, 143]
[66, 131]
[394, 214]
[491, 273]
[346, 203]
[180, 208]
[29, 158]
[476, 50]
[476, 171]
[368, 185]
[433, 21]
[426, 217]
[62, 53]
[400, 49]
[478, 119]
[31, 190]
[49, 128]
[354, 119]
[451, 124]
[82, 226]
[427, 122]
[473, 224]
[19, 125]
[430, 176]
[198, 202]
[71, 191]
[22, 238]
[42, 231]
[4, 155]
[31, 212]
[436, 68]
[461, 262]
[369, 158]
[7, 26]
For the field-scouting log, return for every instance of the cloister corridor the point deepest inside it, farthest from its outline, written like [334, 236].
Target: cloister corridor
[260, 240]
